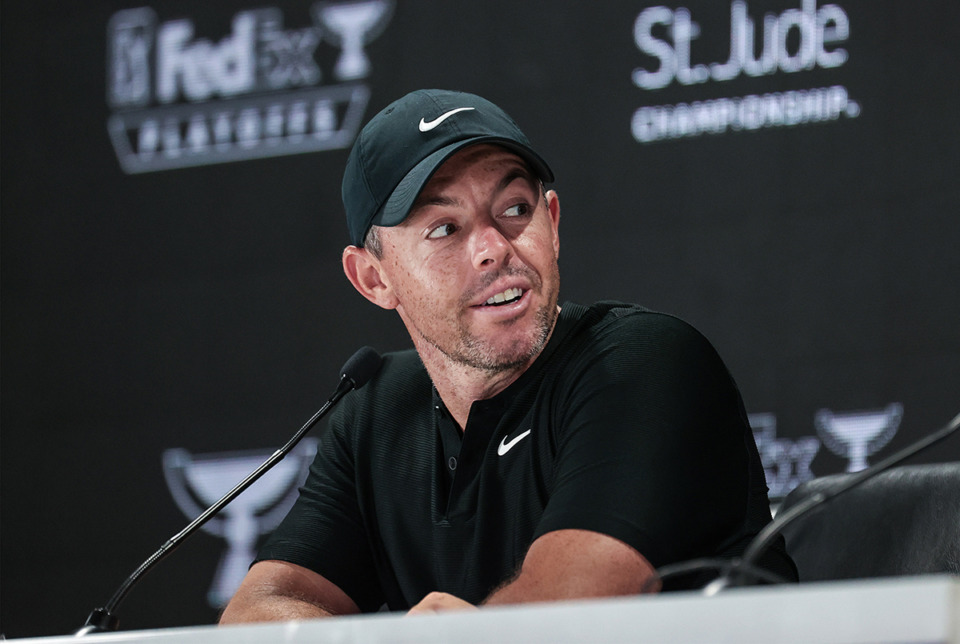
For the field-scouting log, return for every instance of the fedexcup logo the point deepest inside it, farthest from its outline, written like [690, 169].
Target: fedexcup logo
[857, 435]
[786, 462]
[181, 100]
[198, 481]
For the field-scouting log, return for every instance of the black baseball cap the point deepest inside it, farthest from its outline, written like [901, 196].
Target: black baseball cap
[401, 147]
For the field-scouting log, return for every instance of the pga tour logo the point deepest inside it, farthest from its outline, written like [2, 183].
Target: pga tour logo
[179, 99]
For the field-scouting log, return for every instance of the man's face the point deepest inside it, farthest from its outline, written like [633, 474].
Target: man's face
[473, 268]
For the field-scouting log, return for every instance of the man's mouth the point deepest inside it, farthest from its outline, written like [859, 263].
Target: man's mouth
[505, 297]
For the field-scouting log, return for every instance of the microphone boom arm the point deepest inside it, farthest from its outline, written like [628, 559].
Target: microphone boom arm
[772, 529]
[355, 373]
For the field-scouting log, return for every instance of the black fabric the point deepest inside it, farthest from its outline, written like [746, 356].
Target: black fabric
[636, 430]
[905, 521]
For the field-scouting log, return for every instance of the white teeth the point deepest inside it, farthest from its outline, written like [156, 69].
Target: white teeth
[509, 294]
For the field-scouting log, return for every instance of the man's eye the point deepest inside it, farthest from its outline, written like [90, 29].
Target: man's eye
[442, 231]
[518, 210]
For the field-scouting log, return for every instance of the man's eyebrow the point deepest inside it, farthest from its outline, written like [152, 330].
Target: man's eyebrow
[433, 200]
[513, 175]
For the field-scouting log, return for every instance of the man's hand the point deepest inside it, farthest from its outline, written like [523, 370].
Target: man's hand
[437, 602]
[565, 564]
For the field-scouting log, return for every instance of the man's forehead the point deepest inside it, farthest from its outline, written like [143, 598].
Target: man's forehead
[490, 158]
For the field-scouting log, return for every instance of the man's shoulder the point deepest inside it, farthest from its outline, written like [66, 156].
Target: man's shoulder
[397, 393]
[406, 360]
[402, 371]
[611, 334]
[610, 317]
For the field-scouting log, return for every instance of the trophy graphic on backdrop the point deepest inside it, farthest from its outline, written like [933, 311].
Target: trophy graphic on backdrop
[857, 435]
[196, 481]
[351, 25]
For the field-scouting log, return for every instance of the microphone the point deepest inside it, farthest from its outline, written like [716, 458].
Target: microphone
[354, 374]
[744, 570]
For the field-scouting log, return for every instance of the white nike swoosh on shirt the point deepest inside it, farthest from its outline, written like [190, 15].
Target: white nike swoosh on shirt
[427, 126]
[506, 447]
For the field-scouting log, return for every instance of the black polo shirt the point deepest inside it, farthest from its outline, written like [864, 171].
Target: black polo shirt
[627, 424]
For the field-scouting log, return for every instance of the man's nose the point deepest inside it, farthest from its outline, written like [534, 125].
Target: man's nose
[491, 248]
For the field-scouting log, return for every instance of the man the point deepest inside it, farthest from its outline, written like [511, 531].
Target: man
[524, 451]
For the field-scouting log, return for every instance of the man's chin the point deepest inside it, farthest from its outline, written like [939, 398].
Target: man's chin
[496, 363]
[497, 354]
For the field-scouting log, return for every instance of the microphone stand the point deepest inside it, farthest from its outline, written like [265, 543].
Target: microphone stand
[740, 571]
[104, 619]
[744, 570]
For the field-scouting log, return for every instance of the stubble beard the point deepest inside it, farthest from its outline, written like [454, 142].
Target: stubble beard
[473, 352]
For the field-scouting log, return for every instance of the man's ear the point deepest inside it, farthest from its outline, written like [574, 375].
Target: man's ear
[553, 207]
[365, 272]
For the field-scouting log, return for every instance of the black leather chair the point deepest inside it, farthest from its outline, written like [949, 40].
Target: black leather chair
[904, 521]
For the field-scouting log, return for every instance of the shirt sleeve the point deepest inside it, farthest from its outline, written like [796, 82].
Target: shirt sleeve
[650, 442]
[324, 530]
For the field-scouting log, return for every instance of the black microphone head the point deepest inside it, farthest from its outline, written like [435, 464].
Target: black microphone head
[361, 366]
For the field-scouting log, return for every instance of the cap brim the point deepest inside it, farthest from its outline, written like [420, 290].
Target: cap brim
[398, 206]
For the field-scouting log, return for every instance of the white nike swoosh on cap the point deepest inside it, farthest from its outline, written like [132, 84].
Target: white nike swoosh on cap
[427, 126]
[506, 447]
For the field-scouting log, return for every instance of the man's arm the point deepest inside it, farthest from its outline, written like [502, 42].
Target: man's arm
[279, 591]
[576, 564]
[565, 564]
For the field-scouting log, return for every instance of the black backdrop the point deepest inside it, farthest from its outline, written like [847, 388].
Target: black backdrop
[805, 221]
